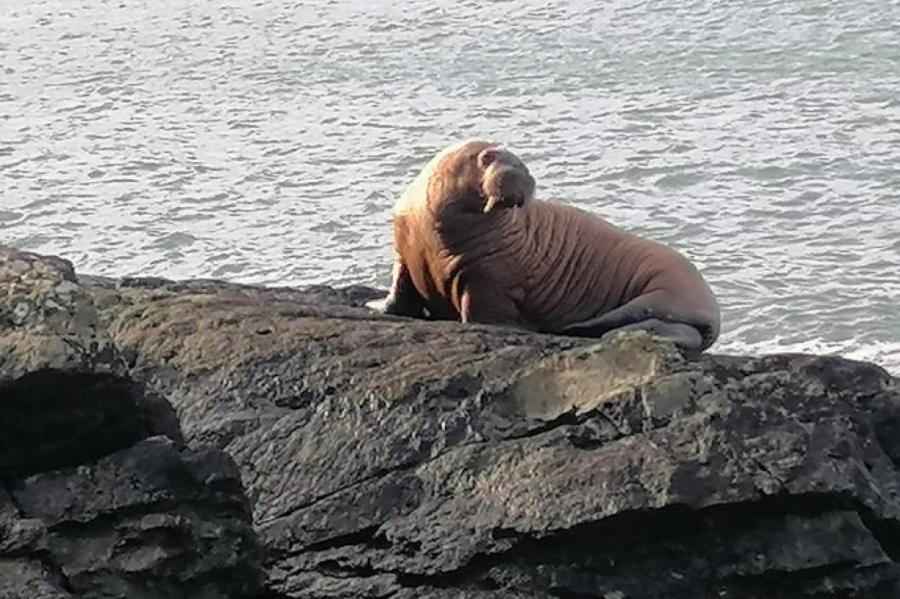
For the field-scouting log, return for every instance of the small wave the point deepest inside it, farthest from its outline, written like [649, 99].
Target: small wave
[884, 353]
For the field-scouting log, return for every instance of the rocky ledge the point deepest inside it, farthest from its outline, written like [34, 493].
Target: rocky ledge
[204, 439]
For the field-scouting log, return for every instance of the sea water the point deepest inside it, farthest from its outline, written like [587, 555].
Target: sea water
[265, 141]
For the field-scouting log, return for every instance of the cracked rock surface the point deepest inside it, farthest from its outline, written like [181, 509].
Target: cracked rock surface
[385, 457]
[99, 497]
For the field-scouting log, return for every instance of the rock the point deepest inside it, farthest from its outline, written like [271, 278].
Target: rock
[389, 457]
[98, 495]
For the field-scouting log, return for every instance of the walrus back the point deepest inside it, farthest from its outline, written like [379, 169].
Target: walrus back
[579, 265]
[565, 265]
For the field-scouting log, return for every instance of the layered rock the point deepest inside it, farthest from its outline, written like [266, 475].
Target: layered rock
[389, 457]
[98, 495]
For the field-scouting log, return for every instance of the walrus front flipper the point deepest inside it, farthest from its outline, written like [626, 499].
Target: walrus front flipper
[403, 299]
[488, 305]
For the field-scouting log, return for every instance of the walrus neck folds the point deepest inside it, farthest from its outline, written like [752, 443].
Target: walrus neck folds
[462, 204]
[467, 231]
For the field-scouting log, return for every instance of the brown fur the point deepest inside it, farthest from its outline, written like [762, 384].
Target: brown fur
[472, 243]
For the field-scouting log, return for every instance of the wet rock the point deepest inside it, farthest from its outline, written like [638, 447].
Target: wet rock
[389, 457]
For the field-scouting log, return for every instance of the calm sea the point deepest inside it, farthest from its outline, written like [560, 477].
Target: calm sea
[265, 141]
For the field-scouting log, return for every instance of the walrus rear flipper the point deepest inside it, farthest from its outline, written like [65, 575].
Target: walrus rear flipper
[685, 336]
[639, 315]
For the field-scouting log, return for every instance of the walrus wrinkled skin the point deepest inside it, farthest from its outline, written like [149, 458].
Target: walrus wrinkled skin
[472, 243]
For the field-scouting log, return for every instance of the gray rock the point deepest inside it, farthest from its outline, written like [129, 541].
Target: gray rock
[390, 457]
[98, 495]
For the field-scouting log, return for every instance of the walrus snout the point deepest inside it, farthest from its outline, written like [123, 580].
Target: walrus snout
[506, 185]
[516, 200]
[493, 202]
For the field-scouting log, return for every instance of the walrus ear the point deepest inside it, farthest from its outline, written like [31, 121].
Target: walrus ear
[487, 157]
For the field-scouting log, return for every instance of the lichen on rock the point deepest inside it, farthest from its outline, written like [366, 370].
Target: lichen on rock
[99, 497]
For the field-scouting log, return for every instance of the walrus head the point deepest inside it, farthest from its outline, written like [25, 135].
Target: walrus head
[473, 176]
[505, 180]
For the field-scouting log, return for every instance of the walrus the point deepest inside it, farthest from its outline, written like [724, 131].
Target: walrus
[472, 243]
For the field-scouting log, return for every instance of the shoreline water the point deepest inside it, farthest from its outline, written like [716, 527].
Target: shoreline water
[266, 143]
